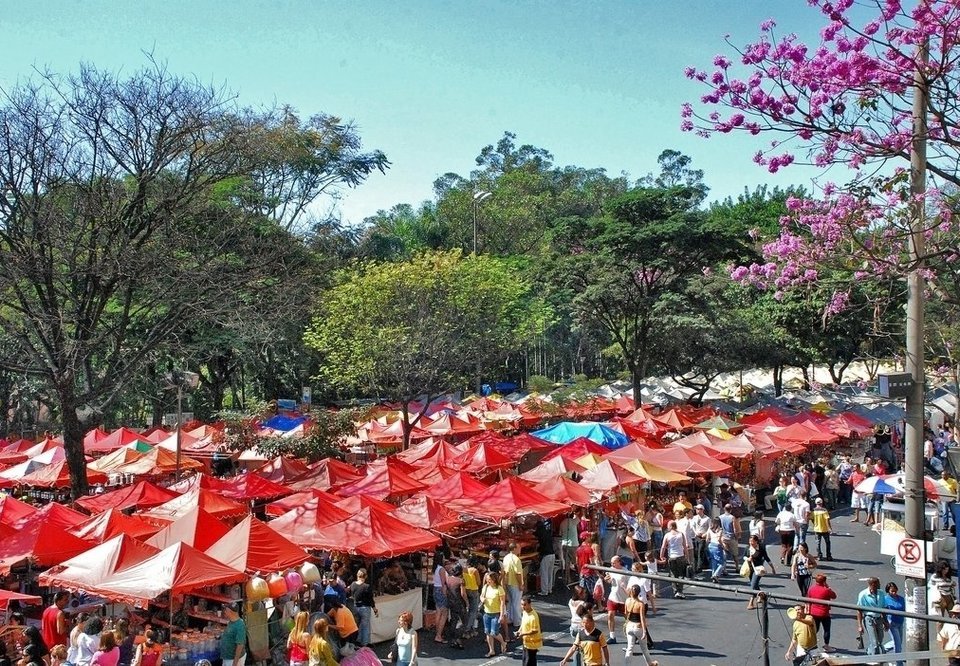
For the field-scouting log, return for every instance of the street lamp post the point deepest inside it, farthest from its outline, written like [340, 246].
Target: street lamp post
[478, 197]
[181, 380]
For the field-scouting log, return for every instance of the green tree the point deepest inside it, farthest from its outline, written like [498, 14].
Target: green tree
[406, 330]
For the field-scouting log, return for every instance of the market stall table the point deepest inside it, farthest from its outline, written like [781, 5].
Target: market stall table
[383, 626]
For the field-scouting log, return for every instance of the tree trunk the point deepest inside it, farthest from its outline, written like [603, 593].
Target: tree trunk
[405, 415]
[73, 433]
[777, 381]
[806, 378]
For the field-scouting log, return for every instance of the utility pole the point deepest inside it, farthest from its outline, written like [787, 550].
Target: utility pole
[916, 630]
[478, 198]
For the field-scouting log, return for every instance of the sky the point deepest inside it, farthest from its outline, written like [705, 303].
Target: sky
[597, 83]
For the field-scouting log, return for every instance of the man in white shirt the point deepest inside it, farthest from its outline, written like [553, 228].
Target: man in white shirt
[786, 524]
[617, 597]
[801, 511]
[685, 525]
[701, 525]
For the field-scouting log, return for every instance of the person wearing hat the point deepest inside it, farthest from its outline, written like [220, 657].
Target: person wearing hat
[233, 640]
[820, 522]
[803, 635]
[948, 638]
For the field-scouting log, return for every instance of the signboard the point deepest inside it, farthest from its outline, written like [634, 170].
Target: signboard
[306, 395]
[909, 559]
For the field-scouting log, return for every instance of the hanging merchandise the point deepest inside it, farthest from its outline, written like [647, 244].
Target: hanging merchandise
[310, 572]
[257, 589]
[277, 585]
[294, 581]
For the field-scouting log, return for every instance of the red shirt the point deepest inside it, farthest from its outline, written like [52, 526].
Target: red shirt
[585, 557]
[48, 627]
[818, 591]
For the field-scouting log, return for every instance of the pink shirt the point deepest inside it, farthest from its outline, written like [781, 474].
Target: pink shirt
[111, 658]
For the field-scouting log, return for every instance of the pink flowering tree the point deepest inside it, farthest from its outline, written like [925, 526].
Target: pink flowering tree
[846, 103]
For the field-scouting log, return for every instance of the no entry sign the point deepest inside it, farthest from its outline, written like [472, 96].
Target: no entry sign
[910, 560]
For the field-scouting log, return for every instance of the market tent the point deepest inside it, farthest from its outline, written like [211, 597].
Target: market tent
[252, 546]
[482, 459]
[158, 462]
[93, 565]
[111, 523]
[589, 460]
[442, 454]
[507, 499]
[242, 488]
[371, 533]
[281, 506]
[94, 436]
[550, 469]
[567, 491]
[848, 424]
[802, 433]
[307, 525]
[761, 438]
[566, 432]
[458, 486]
[454, 426]
[631, 451]
[652, 472]
[141, 495]
[12, 510]
[57, 475]
[424, 449]
[357, 503]
[430, 475]
[110, 462]
[720, 423]
[327, 474]
[608, 477]
[211, 502]
[384, 482]
[40, 543]
[6, 596]
[520, 445]
[154, 435]
[392, 435]
[427, 513]
[56, 515]
[685, 461]
[187, 441]
[12, 475]
[177, 569]
[578, 448]
[197, 528]
[116, 439]
[282, 469]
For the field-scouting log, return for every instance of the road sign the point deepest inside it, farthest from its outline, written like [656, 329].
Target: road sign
[909, 560]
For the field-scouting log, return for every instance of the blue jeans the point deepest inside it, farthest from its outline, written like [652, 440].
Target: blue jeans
[513, 605]
[873, 634]
[491, 624]
[896, 633]
[718, 559]
[473, 605]
[364, 613]
[801, 534]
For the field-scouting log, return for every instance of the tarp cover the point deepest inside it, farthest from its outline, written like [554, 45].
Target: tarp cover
[563, 433]
[427, 513]
[141, 495]
[550, 469]
[481, 459]
[251, 546]
[56, 515]
[87, 569]
[177, 569]
[383, 482]
[242, 488]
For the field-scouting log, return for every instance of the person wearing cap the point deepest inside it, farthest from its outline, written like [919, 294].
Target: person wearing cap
[872, 624]
[820, 521]
[948, 638]
[803, 635]
[233, 640]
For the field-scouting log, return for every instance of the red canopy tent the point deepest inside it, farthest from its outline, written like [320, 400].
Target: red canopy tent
[308, 524]
[370, 533]
[506, 499]
[384, 482]
[282, 469]
[94, 436]
[625, 454]
[111, 461]
[93, 565]
[141, 495]
[427, 513]
[567, 491]
[327, 474]
[252, 546]
[454, 426]
[577, 448]
[848, 425]
[429, 476]
[113, 523]
[357, 503]
[608, 477]
[57, 475]
[553, 468]
[439, 454]
[684, 461]
[56, 515]
[458, 486]
[805, 432]
[624, 404]
[281, 506]
[762, 438]
[39, 542]
[482, 459]
[208, 500]
[196, 527]
[158, 462]
[116, 439]
[6, 596]
[178, 569]
[12, 510]
[778, 416]
[242, 488]
[154, 435]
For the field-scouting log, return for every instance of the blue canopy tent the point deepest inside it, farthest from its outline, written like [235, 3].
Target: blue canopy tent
[284, 423]
[562, 433]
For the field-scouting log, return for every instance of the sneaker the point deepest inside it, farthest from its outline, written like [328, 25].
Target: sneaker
[676, 595]
[714, 580]
[612, 640]
[681, 595]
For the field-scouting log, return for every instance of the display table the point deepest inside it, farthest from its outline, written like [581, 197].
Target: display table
[383, 627]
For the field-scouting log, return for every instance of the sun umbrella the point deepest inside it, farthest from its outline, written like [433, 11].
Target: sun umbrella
[893, 484]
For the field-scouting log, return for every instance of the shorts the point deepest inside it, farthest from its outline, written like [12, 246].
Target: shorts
[858, 501]
[786, 538]
[439, 598]
[491, 624]
[614, 606]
